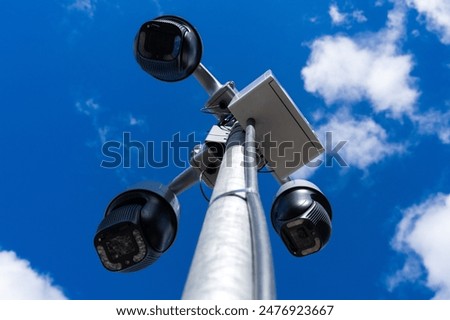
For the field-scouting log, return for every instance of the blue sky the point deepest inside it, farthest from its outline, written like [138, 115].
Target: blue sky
[373, 73]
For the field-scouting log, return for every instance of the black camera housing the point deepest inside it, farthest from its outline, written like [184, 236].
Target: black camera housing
[301, 215]
[140, 224]
[168, 48]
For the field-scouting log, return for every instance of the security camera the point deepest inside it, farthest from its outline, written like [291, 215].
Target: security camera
[168, 48]
[140, 224]
[301, 215]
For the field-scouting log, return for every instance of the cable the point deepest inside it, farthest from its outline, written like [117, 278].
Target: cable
[215, 109]
[260, 170]
[228, 121]
[201, 187]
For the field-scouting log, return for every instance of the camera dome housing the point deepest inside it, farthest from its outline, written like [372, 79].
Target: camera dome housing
[301, 215]
[140, 224]
[168, 48]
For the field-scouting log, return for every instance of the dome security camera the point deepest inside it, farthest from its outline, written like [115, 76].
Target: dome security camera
[168, 48]
[301, 215]
[140, 224]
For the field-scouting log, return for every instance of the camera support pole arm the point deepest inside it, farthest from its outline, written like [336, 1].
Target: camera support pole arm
[207, 80]
[184, 180]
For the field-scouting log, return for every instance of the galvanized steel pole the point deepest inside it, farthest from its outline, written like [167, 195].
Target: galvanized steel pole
[233, 258]
[222, 267]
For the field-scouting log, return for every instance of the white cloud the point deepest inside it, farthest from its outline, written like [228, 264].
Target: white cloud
[340, 18]
[434, 122]
[92, 109]
[88, 107]
[366, 67]
[18, 281]
[308, 170]
[158, 7]
[423, 237]
[336, 16]
[415, 33]
[103, 134]
[313, 19]
[437, 15]
[359, 16]
[367, 142]
[86, 6]
[134, 121]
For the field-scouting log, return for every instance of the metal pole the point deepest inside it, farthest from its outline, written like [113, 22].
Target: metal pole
[184, 180]
[207, 80]
[222, 267]
[264, 278]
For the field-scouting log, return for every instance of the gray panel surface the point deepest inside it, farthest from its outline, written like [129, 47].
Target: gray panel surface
[286, 139]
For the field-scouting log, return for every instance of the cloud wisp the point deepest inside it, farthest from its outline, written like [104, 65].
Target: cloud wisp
[341, 18]
[87, 7]
[434, 122]
[336, 16]
[18, 281]
[422, 238]
[158, 7]
[108, 128]
[92, 109]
